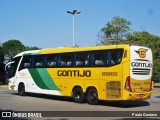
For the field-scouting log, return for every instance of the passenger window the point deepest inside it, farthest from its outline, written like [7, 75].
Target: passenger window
[38, 61]
[26, 62]
[66, 60]
[99, 57]
[51, 61]
[82, 59]
[114, 57]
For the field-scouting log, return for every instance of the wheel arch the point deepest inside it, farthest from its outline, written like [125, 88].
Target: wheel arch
[21, 83]
[77, 86]
[21, 89]
[91, 87]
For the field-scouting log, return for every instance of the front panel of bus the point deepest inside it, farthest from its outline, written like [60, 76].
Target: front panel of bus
[11, 69]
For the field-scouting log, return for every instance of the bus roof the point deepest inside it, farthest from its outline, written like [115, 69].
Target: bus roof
[69, 49]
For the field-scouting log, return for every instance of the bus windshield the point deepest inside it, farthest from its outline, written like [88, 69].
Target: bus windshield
[11, 67]
[10, 70]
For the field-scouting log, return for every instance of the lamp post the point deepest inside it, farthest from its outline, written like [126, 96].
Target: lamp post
[73, 13]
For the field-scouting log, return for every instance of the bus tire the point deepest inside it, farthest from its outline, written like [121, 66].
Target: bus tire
[92, 96]
[21, 89]
[78, 95]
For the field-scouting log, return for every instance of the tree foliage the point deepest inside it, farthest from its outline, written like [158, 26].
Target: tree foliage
[14, 47]
[1, 54]
[31, 48]
[114, 32]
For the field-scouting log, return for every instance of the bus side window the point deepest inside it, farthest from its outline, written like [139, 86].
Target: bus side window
[27, 65]
[119, 56]
[86, 60]
[99, 58]
[51, 61]
[82, 59]
[111, 58]
[114, 57]
[26, 62]
[38, 61]
[66, 60]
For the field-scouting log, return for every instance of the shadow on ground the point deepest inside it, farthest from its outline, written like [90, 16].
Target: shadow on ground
[122, 104]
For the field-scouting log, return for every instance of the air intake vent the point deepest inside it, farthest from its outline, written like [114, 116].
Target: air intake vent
[113, 90]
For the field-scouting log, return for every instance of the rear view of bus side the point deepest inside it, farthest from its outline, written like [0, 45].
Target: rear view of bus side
[110, 73]
[140, 83]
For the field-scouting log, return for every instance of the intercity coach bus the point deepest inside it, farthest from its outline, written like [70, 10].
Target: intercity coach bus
[110, 73]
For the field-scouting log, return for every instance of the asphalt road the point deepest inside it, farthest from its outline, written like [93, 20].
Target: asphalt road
[11, 101]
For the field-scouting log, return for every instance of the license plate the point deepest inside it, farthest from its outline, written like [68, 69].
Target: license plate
[141, 95]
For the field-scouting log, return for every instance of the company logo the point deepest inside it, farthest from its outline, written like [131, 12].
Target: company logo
[74, 73]
[142, 52]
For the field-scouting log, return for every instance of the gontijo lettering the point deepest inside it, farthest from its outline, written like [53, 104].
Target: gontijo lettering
[138, 64]
[75, 73]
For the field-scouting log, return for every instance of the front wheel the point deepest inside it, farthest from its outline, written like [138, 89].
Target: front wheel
[78, 95]
[92, 96]
[21, 89]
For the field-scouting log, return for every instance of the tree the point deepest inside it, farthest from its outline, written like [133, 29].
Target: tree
[1, 54]
[31, 48]
[114, 32]
[13, 47]
[146, 39]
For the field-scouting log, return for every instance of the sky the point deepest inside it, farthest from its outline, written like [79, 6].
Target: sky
[46, 23]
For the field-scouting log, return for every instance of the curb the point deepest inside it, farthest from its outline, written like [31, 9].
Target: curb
[3, 86]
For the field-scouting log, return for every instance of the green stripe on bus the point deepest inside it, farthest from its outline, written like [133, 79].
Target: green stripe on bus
[43, 79]
[37, 78]
[47, 79]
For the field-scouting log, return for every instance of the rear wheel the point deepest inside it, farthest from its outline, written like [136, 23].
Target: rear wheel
[78, 95]
[92, 96]
[21, 89]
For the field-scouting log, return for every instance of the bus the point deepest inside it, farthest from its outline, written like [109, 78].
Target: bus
[109, 73]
